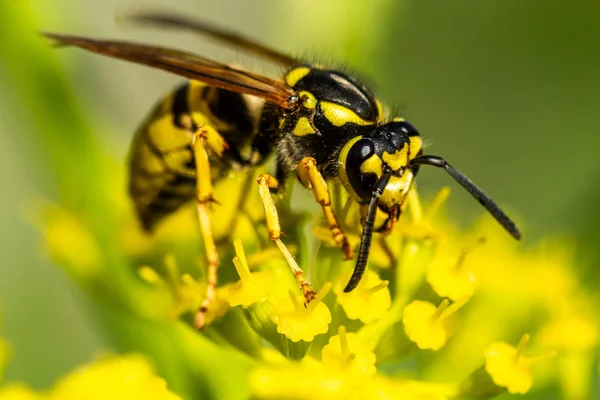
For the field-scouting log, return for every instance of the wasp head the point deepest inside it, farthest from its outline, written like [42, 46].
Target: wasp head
[388, 149]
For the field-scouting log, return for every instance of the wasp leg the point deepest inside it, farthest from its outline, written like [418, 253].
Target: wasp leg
[265, 183]
[312, 178]
[387, 251]
[205, 136]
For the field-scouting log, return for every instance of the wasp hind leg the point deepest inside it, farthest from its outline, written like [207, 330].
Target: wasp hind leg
[312, 178]
[206, 136]
[265, 184]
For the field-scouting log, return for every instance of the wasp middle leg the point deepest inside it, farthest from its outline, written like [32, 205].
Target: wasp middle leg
[265, 183]
[205, 136]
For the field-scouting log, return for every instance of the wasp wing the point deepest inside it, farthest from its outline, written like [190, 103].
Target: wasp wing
[183, 22]
[190, 66]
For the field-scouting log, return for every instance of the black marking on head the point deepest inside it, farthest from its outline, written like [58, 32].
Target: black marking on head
[342, 89]
[392, 136]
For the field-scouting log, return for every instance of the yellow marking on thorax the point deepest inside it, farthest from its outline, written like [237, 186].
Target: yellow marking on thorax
[397, 160]
[373, 165]
[416, 144]
[310, 101]
[303, 127]
[398, 119]
[195, 90]
[295, 75]
[339, 115]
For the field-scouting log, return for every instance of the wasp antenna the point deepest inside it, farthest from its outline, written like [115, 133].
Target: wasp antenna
[466, 183]
[367, 233]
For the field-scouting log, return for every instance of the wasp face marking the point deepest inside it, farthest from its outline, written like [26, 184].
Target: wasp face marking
[303, 127]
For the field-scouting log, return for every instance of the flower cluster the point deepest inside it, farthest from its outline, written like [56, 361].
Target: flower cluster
[439, 314]
[128, 377]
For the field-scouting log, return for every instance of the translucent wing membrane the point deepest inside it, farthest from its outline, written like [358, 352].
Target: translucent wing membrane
[182, 22]
[188, 65]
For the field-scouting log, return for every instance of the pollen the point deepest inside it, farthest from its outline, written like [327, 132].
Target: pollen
[298, 322]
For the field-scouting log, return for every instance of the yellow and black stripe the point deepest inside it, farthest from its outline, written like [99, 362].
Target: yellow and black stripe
[162, 167]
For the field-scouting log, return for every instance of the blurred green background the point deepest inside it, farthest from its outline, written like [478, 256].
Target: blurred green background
[508, 91]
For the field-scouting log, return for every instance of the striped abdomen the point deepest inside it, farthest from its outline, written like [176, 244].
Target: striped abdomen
[163, 170]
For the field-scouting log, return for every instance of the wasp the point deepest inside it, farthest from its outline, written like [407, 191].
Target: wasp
[321, 124]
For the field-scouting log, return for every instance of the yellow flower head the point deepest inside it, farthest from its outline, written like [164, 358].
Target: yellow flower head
[298, 382]
[71, 244]
[422, 224]
[425, 324]
[346, 353]
[369, 301]
[508, 367]
[184, 293]
[19, 391]
[449, 276]
[4, 353]
[252, 286]
[128, 378]
[298, 322]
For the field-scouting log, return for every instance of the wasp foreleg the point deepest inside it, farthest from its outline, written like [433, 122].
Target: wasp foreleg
[312, 178]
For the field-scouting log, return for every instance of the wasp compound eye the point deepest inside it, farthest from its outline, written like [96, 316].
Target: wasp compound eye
[363, 167]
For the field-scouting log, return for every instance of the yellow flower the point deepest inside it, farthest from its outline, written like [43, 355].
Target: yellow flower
[368, 301]
[449, 276]
[252, 286]
[421, 224]
[114, 378]
[298, 322]
[508, 367]
[298, 382]
[4, 353]
[19, 391]
[346, 353]
[70, 243]
[309, 381]
[425, 324]
[575, 336]
[127, 377]
[184, 293]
